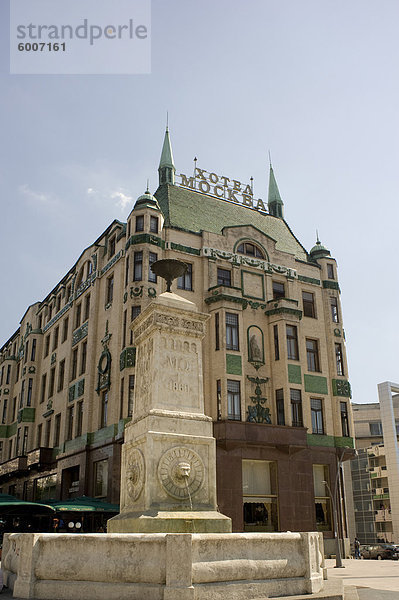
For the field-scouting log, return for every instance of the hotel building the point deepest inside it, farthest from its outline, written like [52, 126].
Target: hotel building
[275, 369]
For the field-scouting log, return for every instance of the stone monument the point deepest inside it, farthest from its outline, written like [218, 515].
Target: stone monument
[168, 479]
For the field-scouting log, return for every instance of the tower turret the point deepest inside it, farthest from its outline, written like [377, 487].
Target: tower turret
[166, 167]
[274, 199]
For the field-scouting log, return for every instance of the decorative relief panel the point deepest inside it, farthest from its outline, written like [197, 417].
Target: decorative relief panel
[135, 474]
[181, 472]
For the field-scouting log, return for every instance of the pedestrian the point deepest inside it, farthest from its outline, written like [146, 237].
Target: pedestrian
[357, 548]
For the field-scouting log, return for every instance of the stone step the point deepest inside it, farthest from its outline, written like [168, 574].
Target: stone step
[333, 590]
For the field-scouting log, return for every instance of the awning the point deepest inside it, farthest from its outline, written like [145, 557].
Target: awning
[11, 505]
[84, 504]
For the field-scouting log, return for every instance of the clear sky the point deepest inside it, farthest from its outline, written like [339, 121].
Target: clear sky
[313, 81]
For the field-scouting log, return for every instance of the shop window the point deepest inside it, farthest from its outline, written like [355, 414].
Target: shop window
[101, 478]
[322, 499]
[260, 498]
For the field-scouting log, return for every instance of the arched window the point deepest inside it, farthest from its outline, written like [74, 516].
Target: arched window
[250, 250]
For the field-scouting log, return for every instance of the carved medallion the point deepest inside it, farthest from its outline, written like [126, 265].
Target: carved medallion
[181, 472]
[135, 472]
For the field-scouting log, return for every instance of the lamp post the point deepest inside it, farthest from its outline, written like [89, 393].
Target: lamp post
[338, 559]
[333, 496]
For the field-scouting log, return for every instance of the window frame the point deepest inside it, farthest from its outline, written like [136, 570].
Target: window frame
[233, 400]
[312, 355]
[232, 332]
[309, 305]
[292, 342]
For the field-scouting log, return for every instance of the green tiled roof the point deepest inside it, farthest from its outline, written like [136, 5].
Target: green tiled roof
[187, 209]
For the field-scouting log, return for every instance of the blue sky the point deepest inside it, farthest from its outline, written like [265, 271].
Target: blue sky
[313, 81]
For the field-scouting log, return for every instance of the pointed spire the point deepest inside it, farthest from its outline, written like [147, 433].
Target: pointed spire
[166, 167]
[274, 199]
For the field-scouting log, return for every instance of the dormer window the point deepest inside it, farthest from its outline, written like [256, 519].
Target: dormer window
[250, 250]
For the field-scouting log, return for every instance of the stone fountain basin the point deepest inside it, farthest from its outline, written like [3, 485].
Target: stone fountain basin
[162, 566]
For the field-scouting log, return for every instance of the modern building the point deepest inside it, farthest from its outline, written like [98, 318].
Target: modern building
[375, 470]
[275, 369]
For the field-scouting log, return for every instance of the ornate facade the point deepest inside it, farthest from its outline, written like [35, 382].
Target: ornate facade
[275, 371]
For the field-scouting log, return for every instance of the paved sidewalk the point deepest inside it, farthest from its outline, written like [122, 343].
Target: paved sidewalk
[374, 579]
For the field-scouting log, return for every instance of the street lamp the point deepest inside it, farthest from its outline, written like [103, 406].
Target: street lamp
[338, 559]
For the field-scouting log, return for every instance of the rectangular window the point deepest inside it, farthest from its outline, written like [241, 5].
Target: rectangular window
[260, 499]
[276, 344]
[321, 498]
[280, 407]
[26, 351]
[154, 224]
[47, 346]
[83, 358]
[1, 375]
[232, 341]
[217, 339]
[18, 442]
[224, 277]
[17, 375]
[4, 417]
[185, 282]
[10, 450]
[136, 310]
[14, 409]
[124, 329]
[110, 290]
[121, 398]
[58, 306]
[47, 433]
[296, 408]
[127, 271]
[101, 478]
[55, 338]
[9, 373]
[312, 355]
[87, 308]
[104, 409]
[131, 396]
[344, 419]
[44, 488]
[61, 375]
[79, 419]
[22, 396]
[43, 388]
[309, 309]
[330, 271]
[278, 289]
[140, 223]
[152, 257]
[376, 428]
[39, 436]
[138, 266]
[339, 359]
[233, 400]
[219, 398]
[65, 329]
[334, 309]
[74, 366]
[51, 382]
[292, 342]
[57, 430]
[29, 395]
[111, 246]
[78, 315]
[33, 352]
[316, 408]
[70, 416]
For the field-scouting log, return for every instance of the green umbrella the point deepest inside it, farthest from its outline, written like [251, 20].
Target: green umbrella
[84, 504]
[11, 505]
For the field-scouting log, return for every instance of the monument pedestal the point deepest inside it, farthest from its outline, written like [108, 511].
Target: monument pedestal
[168, 478]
